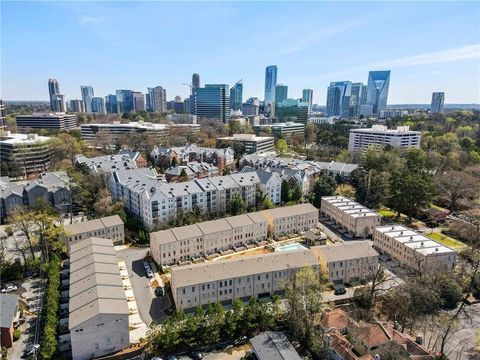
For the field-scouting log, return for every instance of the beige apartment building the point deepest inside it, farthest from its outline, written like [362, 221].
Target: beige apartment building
[98, 310]
[110, 227]
[243, 278]
[191, 241]
[357, 219]
[414, 250]
[347, 262]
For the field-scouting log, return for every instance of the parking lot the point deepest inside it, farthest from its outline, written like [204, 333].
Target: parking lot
[149, 306]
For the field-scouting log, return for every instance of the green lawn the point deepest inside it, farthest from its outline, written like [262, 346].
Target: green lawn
[447, 241]
[387, 213]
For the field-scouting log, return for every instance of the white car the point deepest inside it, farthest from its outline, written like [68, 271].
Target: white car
[9, 288]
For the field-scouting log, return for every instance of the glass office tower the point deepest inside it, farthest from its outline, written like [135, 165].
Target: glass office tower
[212, 102]
[357, 98]
[438, 99]
[338, 98]
[281, 93]
[270, 83]
[377, 90]
[87, 95]
[124, 101]
[307, 96]
[236, 96]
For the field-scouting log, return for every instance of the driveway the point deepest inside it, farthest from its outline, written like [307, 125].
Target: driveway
[149, 306]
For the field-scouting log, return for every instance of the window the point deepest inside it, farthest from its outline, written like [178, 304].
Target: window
[96, 346]
[109, 340]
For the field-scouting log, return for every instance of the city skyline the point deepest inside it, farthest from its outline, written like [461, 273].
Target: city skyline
[419, 62]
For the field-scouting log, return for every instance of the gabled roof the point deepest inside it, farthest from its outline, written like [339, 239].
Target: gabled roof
[271, 345]
[8, 309]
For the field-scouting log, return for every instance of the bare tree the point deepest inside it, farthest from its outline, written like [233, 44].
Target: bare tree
[24, 224]
[454, 186]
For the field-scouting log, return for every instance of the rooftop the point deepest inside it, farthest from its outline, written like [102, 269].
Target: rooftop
[345, 251]
[8, 309]
[271, 345]
[382, 129]
[22, 139]
[349, 206]
[93, 225]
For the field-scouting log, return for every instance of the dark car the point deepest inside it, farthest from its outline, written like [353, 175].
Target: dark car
[160, 291]
[240, 341]
[197, 355]
[339, 290]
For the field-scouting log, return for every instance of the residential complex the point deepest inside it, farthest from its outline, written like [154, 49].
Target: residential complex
[438, 99]
[115, 131]
[49, 121]
[110, 227]
[347, 262]
[379, 135]
[281, 130]
[25, 154]
[354, 218]
[251, 143]
[50, 188]
[241, 278]
[98, 313]
[110, 163]
[414, 250]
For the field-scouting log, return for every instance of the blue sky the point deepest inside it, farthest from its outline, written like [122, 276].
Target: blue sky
[428, 46]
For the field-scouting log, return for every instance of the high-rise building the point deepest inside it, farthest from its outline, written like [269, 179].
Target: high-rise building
[212, 102]
[338, 98]
[251, 107]
[377, 90]
[148, 103]
[138, 101]
[53, 89]
[77, 106]
[438, 99]
[291, 110]
[111, 104]
[270, 83]
[236, 96]
[178, 99]
[357, 98]
[58, 103]
[98, 105]
[307, 96]
[125, 101]
[3, 125]
[87, 95]
[158, 98]
[195, 82]
[281, 93]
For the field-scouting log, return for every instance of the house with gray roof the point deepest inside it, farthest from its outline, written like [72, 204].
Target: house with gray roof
[271, 345]
[9, 313]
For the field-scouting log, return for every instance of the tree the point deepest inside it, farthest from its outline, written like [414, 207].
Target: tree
[282, 147]
[324, 186]
[296, 194]
[237, 205]
[392, 351]
[346, 190]
[64, 147]
[454, 186]
[174, 162]
[285, 191]
[23, 223]
[267, 203]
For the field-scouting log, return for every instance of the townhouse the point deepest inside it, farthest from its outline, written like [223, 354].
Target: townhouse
[225, 280]
[290, 219]
[356, 219]
[270, 184]
[347, 262]
[414, 250]
[191, 170]
[192, 241]
[109, 227]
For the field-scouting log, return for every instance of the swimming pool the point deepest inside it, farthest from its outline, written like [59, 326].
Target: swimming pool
[290, 247]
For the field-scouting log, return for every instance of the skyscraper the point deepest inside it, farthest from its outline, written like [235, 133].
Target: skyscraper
[438, 99]
[195, 82]
[125, 101]
[281, 93]
[98, 105]
[77, 106]
[138, 101]
[111, 104]
[307, 96]
[270, 82]
[212, 102]
[3, 126]
[158, 98]
[338, 98]
[291, 110]
[236, 96]
[377, 90]
[57, 101]
[87, 95]
[358, 98]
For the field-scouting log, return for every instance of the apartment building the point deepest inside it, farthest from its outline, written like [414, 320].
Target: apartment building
[98, 311]
[251, 143]
[192, 241]
[270, 184]
[191, 170]
[290, 219]
[109, 227]
[110, 163]
[48, 121]
[357, 219]
[414, 250]
[25, 155]
[401, 137]
[347, 262]
[242, 278]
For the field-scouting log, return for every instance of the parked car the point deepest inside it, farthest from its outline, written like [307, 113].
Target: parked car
[160, 291]
[149, 273]
[9, 288]
[197, 355]
[240, 341]
[31, 349]
[339, 290]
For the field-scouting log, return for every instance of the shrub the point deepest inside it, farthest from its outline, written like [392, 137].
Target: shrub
[16, 334]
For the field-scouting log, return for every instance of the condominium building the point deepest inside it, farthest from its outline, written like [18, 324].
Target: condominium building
[281, 129]
[270, 184]
[414, 250]
[357, 219]
[98, 317]
[110, 163]
[290, 219]
[250, 143]
[193, 241]
[76, 106]
[109, 227]
[24, 154]
[242, 278]
[347, 262]
[379, 135]
[54, 121]
[116, 131]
